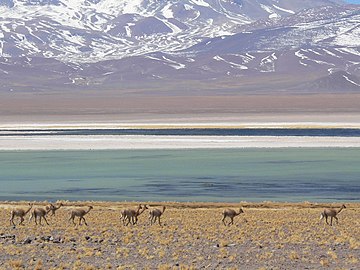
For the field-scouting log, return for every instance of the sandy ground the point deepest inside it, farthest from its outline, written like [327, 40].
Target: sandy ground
[192, 236]
[167, 142]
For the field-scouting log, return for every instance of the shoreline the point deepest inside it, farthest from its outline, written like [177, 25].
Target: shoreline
[169, 125]
[134, 142]
[182, 120]
[188, 205]
[182, 124]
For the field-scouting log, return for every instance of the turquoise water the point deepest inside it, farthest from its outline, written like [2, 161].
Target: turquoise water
[233, 175]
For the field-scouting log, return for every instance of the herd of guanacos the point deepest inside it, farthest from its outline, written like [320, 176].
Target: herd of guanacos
[130, 216]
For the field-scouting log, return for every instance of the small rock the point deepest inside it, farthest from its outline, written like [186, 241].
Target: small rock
[88, 238]
[27, 241]
[57, 240]
[7, 236]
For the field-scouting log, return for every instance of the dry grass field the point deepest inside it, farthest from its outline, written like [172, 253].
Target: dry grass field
[192, 236]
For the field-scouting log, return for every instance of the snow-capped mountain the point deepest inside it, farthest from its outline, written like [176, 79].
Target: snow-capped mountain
[252, 45]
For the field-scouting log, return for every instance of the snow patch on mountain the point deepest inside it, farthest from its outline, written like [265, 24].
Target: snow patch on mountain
[283, 9]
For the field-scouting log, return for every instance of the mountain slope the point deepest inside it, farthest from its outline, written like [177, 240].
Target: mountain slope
[262, 45]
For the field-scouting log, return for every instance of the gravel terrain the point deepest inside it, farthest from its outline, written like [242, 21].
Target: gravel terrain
[192, 236]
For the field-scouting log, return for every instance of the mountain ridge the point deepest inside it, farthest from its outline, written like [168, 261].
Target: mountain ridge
[107, 44]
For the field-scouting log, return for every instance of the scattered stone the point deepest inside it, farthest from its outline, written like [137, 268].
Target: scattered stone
[27, 241]
[7, 236]
[45, 238]
[57, 240]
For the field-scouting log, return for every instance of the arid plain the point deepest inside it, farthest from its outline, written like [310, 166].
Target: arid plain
[192, 236]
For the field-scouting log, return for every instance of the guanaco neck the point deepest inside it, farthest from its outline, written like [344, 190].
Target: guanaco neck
[140, 212]
[341, 208]
[163, 209]
[28, 210]
[88, 210]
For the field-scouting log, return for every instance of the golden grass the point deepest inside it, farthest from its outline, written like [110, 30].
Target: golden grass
[192, 236]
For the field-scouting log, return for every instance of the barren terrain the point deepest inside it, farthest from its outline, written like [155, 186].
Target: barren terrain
[192, 236]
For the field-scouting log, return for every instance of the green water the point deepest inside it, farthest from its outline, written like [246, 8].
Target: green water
[288, 174]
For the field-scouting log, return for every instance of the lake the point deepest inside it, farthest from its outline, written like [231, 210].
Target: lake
[218, 175]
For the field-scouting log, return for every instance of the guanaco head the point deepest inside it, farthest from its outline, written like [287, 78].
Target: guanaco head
[141, 209]
[343, 206]
[49, 208]
[241, 211]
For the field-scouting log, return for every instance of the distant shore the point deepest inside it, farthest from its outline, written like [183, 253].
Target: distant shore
[179, 121]
[167, 142]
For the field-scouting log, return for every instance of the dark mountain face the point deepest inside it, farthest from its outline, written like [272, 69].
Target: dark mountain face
[227, 45]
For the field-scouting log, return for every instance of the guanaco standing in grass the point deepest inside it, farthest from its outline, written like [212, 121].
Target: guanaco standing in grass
[231, 214]
[21, 213]
[127, 212]
[53, 208]
[79, 213]
[39, 213]
[332, 213]
[156, 214]
[132, 215]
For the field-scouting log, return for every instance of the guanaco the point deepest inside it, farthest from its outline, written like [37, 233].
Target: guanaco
[132, 215]
[39, 213]
[156, 214]
[53, 208]
[332, 213]
[21, 213]
[231, 214]
[80, 213]
[128, 212]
